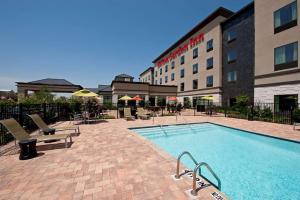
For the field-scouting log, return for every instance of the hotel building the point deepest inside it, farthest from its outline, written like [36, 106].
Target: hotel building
[238, 56]
[252, 52]
[147, 76]
[277, 36]
[194, 62]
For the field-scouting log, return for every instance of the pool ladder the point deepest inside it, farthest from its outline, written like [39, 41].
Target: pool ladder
[197, 168]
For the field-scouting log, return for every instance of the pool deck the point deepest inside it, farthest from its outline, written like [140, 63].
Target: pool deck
[109, 161]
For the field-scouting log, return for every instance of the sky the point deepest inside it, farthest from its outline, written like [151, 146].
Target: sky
[88, 42]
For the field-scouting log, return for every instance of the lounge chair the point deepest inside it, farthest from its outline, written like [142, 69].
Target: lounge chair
[142, 114]
[127, 114]
[296, 124]
[20, 134]
[43, 127]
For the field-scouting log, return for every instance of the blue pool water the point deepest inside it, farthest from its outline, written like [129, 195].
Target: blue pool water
[250, 166]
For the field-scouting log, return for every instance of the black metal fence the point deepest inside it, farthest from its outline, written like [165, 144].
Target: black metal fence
[49, 112]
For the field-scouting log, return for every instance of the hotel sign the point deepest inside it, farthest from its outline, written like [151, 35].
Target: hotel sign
[181, 49]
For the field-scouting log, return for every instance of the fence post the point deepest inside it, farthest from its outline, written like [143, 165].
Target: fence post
[195, 107]
[58, 112]
[44, 111]
[21, 120]
[225, 111]
[292, 116]
[117, 111]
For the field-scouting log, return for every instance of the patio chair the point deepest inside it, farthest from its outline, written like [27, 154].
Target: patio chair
[43, 127]
[142, 114]
[20, 134]
[127, 114]
[295, 125]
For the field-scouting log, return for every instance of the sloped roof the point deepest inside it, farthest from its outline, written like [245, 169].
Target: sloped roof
[148, 69]
[95, 90]
[52, 81]
[101, 88]
[104, 88]
[124, 76]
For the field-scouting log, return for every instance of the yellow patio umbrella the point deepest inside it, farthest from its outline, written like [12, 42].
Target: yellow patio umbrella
[85, 93]
[125, 98]
[209, 98]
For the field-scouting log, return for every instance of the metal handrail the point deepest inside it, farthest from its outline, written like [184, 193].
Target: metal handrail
[198, 167]
[178, 162]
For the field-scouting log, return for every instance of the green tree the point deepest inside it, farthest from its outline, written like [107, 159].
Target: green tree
[42, 96]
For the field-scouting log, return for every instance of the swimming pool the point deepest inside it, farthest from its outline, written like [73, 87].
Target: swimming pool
[250, 166]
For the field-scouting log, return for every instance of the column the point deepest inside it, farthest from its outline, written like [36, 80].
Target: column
[114, 99]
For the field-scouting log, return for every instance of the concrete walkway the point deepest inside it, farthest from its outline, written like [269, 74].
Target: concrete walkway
[108, 161]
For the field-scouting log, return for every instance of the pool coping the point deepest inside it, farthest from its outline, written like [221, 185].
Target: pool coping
[251, 132]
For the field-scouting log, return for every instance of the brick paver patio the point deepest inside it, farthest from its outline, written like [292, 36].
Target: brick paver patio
[108, 161]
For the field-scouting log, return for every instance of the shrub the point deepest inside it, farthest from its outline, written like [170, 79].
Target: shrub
[187, 103]
[296, 115]
[266, 113]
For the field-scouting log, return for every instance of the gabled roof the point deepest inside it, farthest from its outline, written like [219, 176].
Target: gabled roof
[52, 81]
[104, 88]
[221, 11]
[95, 90]
[101, 88]
[124, 76]
[148, 69]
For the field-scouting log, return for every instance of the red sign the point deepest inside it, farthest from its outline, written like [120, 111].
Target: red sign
[182, 49]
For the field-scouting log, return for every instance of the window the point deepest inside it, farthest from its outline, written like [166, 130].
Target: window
[155, 73]
[160, 71]
[182, 60]
[148, 77]
[166, 79]
[160, 81]
[195, 53]
[231, 36]
[195, 84]
[210, 45]
[195, 68]
[173, 64]
[181, 87]
[156, 83]
[286, 56]
[285, 17]
[231, 56]
[182, 73]
[172, 77]
[209, 81]
[231, 76]
[166, 68]
[210, 63]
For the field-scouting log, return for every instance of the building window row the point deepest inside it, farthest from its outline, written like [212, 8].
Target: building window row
[286, 56]
[195, 68]
[210, 63]
[232, 76]
[231, 56]
[285, 17]
[209, 83]
[231, 35]
[210, 45]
